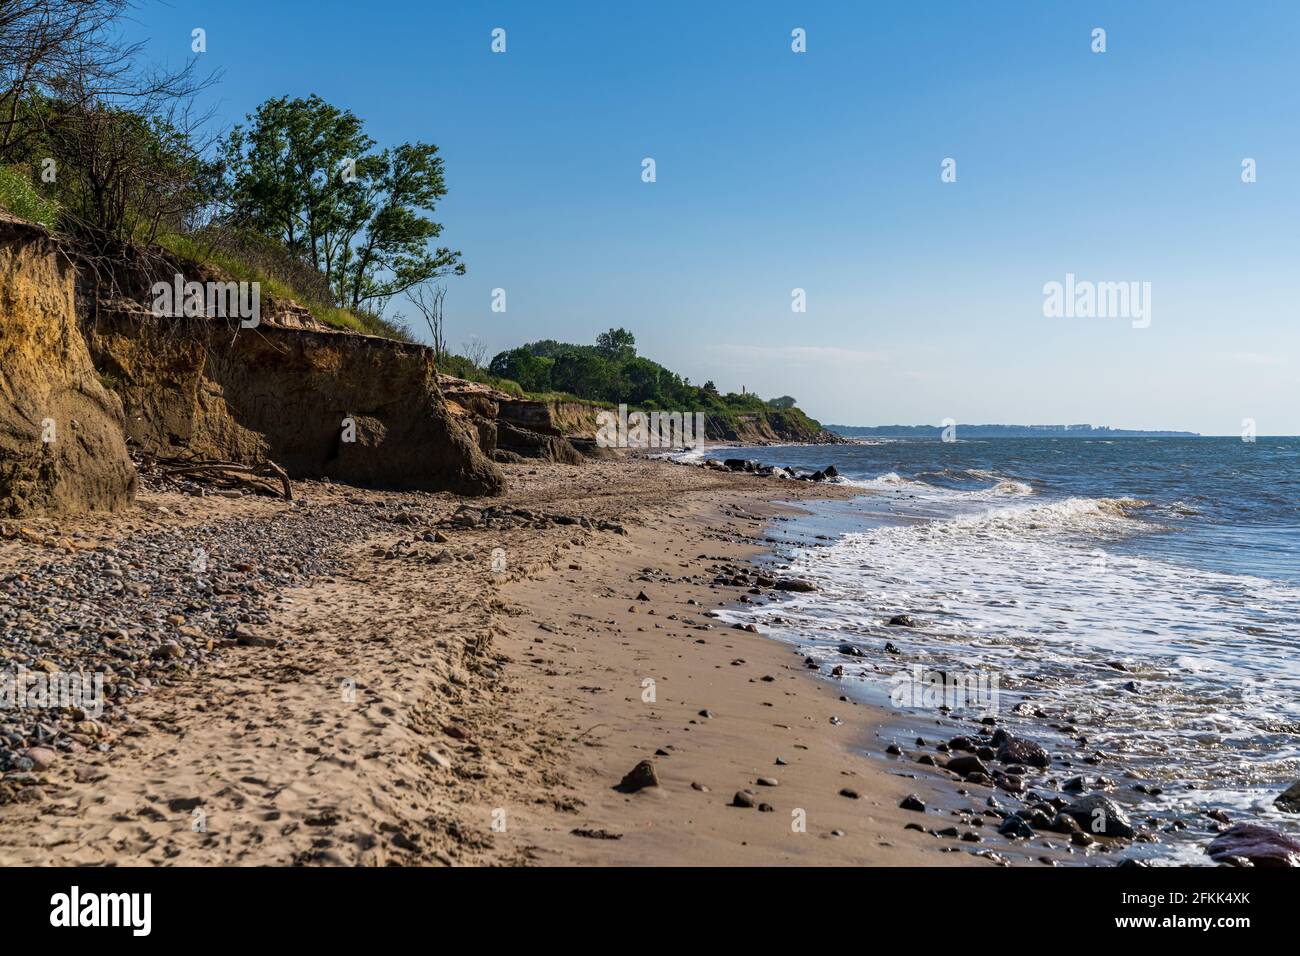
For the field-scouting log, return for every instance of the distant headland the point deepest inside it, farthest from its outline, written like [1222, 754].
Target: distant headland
[1002, 431]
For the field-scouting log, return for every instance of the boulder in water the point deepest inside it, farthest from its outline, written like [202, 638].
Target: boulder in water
[1289, 801]
[1262, 846]
[1100, 815]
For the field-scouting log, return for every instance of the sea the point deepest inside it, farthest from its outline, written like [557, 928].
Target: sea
[1140, 594]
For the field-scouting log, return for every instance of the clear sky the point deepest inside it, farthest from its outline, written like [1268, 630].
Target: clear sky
[821, 171]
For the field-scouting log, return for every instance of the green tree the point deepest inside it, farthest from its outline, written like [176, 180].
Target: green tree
[306, 173]
[520, 365]
[619, 344]
[586, 374]
[644, 380]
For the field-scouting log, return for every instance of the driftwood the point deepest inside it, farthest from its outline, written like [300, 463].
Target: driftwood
[229, 471]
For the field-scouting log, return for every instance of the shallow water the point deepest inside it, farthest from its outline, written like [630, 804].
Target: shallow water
[1144, 591]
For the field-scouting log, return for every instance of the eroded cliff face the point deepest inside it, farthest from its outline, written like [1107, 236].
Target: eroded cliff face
[321, 403]
[774, 428]
[514, 429]
[61, 433]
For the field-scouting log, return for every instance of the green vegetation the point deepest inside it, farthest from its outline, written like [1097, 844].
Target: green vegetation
[252, 258]
[19, 197]
[461, 367]
[610, 372]
[109, 150]
[299, 198]
[305, 173]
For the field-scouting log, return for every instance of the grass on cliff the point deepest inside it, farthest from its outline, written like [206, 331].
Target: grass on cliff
[19, 196]
[243, 270]
[459, 366]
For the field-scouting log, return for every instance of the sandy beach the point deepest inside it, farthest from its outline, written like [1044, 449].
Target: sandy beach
[456, 694]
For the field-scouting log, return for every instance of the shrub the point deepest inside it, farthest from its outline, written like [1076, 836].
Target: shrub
[19, 196]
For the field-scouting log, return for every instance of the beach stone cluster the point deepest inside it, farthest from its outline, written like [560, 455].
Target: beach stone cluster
[754, 467]
[1082, 811]
[149, 609]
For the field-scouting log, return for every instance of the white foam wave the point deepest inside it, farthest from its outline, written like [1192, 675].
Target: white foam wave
[1045, 594]
[1100, 517]
[1009, 486]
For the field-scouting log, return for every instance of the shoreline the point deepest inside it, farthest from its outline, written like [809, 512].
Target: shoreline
[1079, 767]
[464, 682]
[726, 708]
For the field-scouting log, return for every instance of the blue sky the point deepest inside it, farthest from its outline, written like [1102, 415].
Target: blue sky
[821, 171]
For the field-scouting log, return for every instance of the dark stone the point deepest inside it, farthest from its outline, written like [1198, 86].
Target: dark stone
[1100, 815]
[1262, 846]
[1016, 828]
[1064, 823]
[1021, 751]
[1038, 819]
[967, 764]
[1289, 801]
[902, 620]
[639, 777]
[1010, 783]
[793, 584]
[912, 802]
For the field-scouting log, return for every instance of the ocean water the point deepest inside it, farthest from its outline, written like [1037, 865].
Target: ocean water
[1144, 591]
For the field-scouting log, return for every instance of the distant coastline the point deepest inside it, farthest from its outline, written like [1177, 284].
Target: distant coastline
[1002, 431]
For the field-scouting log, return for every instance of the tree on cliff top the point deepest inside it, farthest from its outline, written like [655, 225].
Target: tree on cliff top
[110, 141]
[306, 173]
[616, 344]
